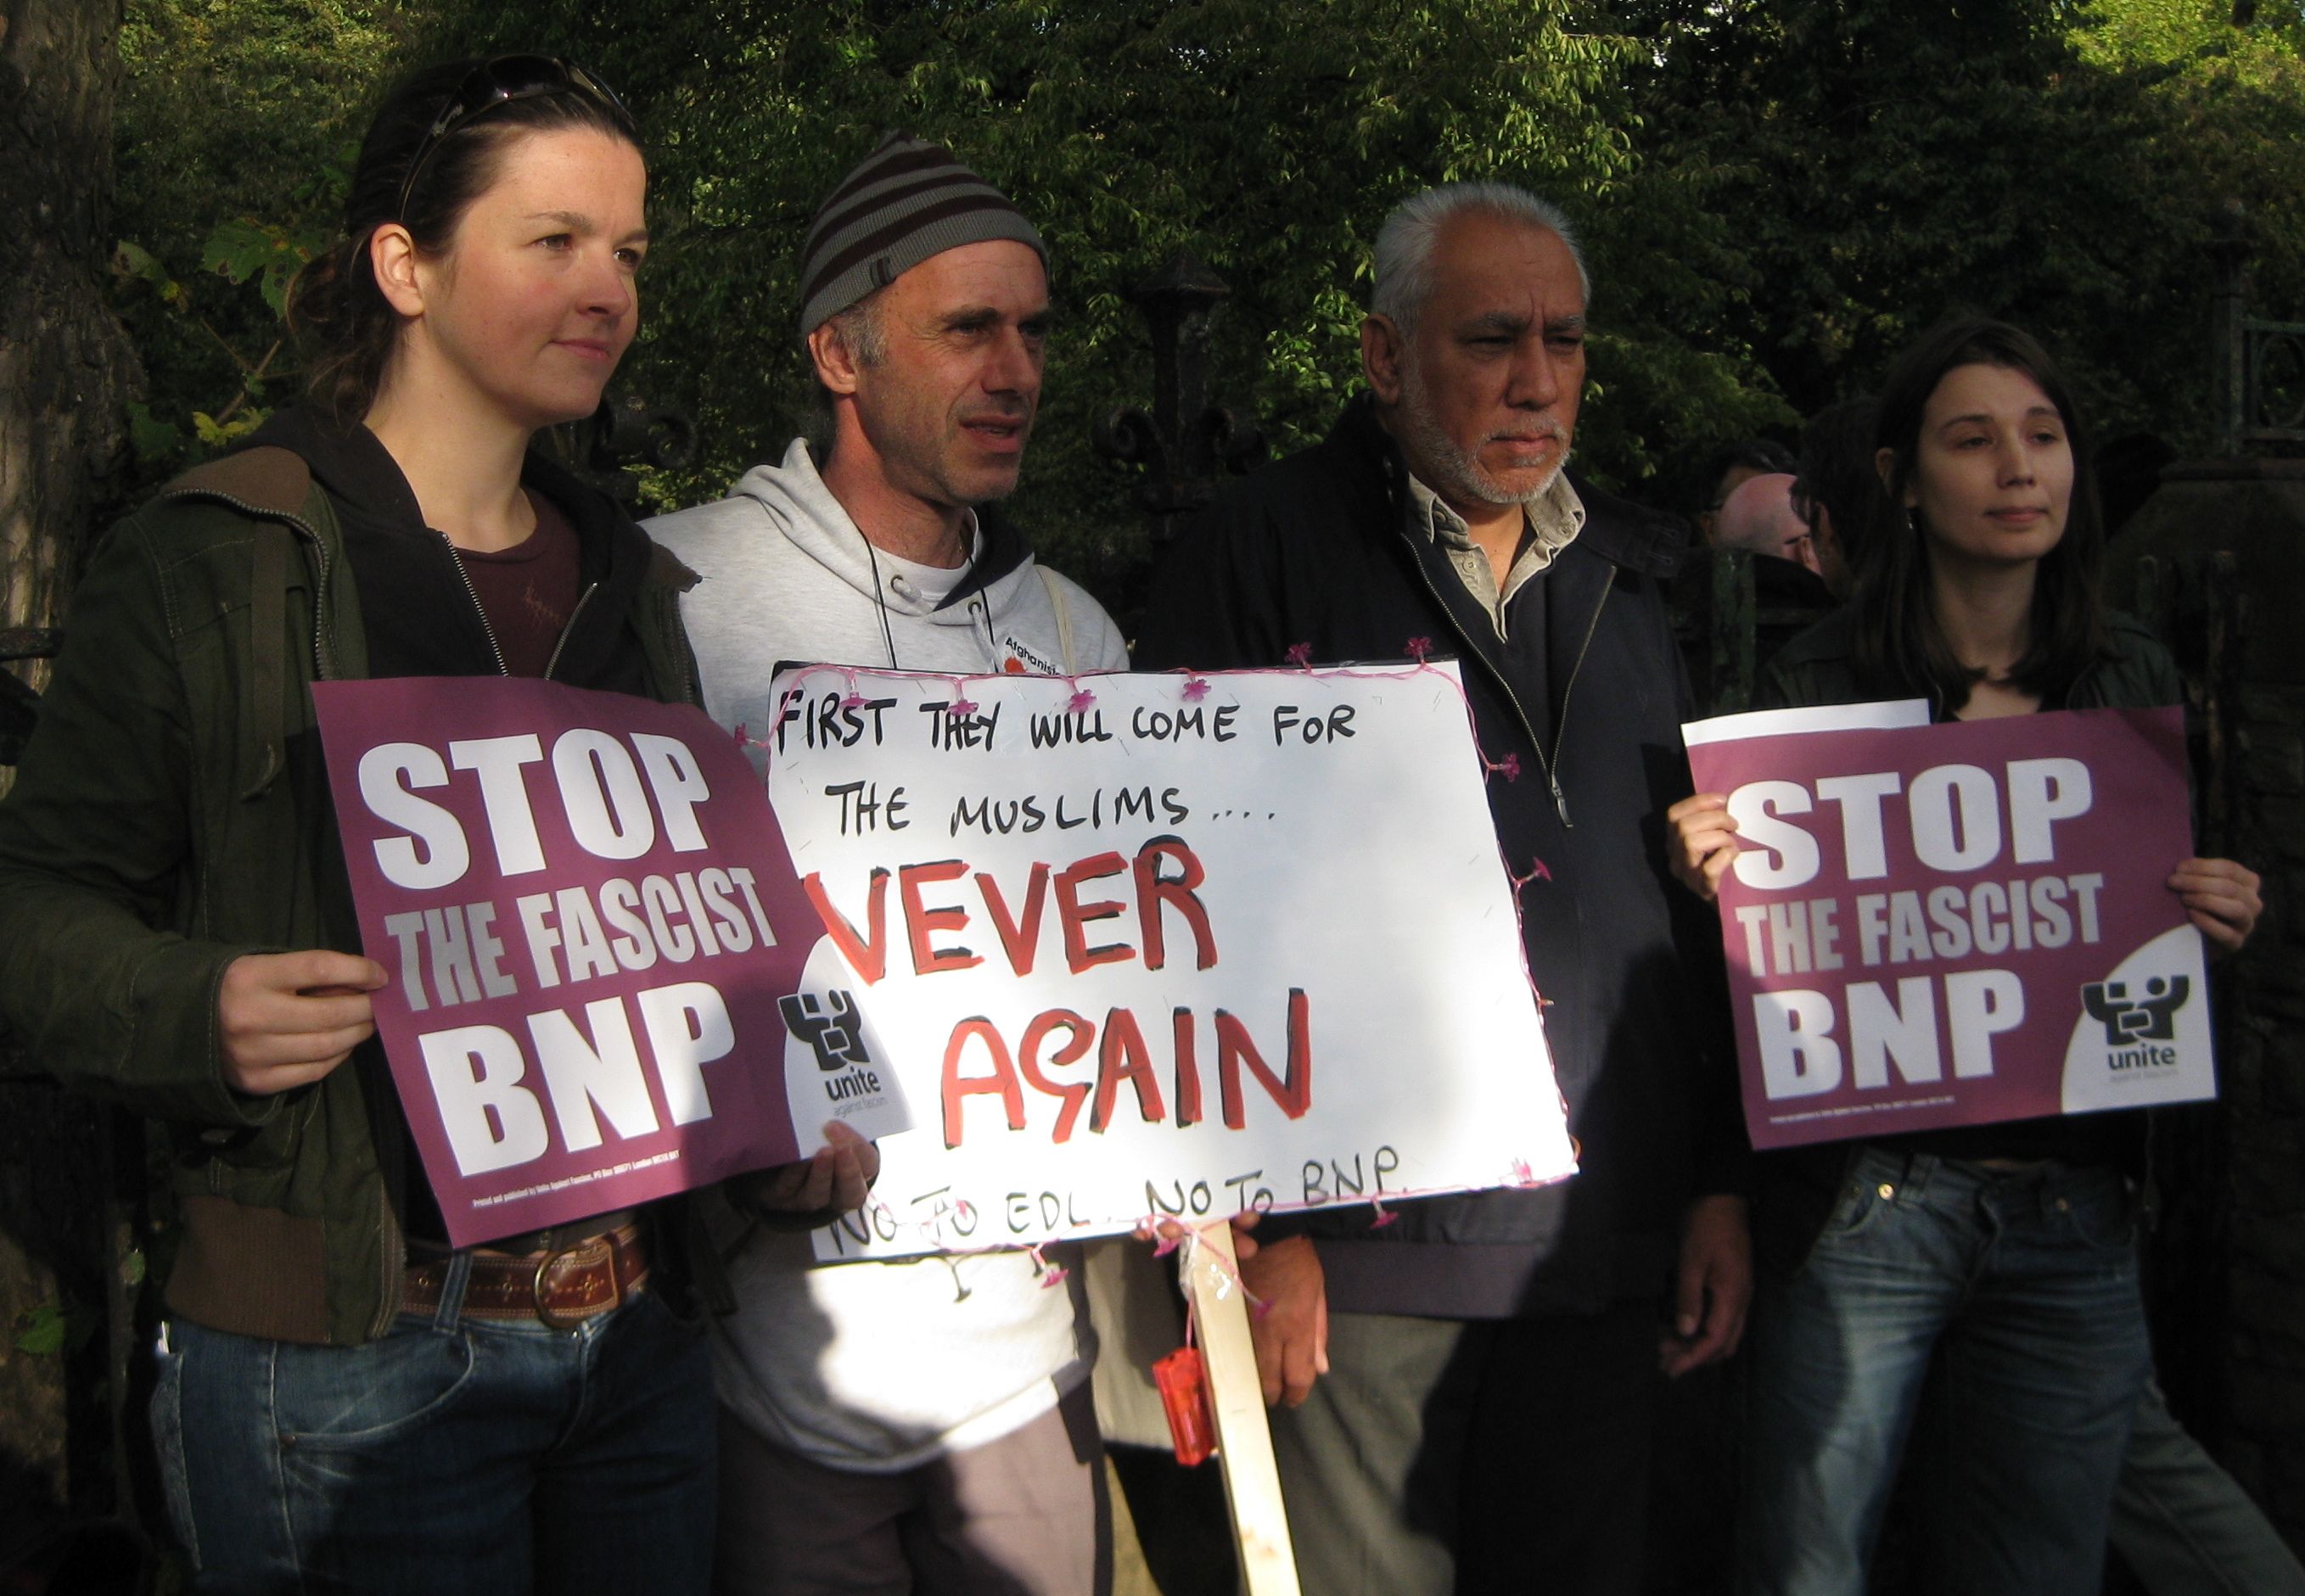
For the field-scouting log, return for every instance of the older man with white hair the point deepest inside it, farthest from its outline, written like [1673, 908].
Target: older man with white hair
[1468, 1385]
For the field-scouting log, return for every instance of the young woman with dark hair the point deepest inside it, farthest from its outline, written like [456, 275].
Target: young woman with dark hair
[1994, 1262]
[345, 1402]
[1935, 572]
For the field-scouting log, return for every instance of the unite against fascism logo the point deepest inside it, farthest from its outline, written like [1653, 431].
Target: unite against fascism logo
[2139, 1029]
[829, 1026]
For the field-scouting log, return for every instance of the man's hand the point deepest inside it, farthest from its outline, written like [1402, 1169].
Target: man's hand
[284, 1020]
[1714, 1287]
[1703, 842]
[2221, 898]
[837, 1179]
[1291, 1334]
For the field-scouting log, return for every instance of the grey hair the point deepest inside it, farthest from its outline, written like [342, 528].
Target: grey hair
[1405, 243]
[862, 331]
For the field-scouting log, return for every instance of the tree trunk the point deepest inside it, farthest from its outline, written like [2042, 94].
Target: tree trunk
[66, 368]
[66, 373]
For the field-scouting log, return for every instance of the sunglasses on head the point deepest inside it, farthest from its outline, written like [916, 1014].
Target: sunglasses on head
[499, 81]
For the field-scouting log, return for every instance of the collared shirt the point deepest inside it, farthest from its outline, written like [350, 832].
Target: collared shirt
[1552, 523]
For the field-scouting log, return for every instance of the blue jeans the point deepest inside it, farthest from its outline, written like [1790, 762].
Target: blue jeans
[491, 1456]
[2014, 1296]
[2182, 1524]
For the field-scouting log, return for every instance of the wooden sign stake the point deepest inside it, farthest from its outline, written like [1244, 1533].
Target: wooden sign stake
[1260, 1522]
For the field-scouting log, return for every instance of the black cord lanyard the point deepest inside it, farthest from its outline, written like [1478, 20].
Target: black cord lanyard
[881, 598]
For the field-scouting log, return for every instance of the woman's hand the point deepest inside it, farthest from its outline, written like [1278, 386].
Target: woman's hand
[1703, 843]
[2221, 898]
[286, 1019]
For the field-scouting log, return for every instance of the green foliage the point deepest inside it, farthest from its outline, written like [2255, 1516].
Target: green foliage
[236, 126]
[136, 264]
[215, 432]
[2057, 162]
[40, 1331]
[51, 1329]
[244, 248]
[240, 250]
[1774, 194]
[157, 442]
[1269, 141]
[2119, 34]
[160, 439]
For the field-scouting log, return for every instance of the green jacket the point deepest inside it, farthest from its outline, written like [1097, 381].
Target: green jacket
[171, 813]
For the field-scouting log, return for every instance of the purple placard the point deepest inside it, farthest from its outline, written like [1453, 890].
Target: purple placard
[590, 920]
[1959, 924]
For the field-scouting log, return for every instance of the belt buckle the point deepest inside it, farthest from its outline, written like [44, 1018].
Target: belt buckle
[554, 1321]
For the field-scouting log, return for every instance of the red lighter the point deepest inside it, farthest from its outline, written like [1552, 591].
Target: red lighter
[1184, 1395]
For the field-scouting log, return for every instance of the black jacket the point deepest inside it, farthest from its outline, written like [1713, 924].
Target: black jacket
[1318, 549]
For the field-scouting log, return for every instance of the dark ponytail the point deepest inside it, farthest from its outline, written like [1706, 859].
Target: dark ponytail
[343, 325]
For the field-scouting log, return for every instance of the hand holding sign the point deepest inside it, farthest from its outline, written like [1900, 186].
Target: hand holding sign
[1703, 841]
[2222, 899]
[1290, 1330]
[284, 1020]
[834, 1181]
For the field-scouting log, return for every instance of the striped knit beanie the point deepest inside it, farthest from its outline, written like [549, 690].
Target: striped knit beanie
[906, 201]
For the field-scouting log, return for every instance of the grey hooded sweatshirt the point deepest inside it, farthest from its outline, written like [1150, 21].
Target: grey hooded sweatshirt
[882, 1366]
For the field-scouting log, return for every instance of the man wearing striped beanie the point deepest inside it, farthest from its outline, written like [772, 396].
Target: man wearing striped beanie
[922, 1424]
[909, 207]
[906, 201]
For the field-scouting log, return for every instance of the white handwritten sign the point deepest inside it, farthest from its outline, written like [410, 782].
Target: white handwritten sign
[1165, 944]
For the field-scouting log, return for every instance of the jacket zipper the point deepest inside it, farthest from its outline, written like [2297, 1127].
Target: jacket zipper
[566, 632]
[473, 594]
[1549, 766]
[1561, 728]
[321, 595]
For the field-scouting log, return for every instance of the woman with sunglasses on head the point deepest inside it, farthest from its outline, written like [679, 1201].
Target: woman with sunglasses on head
[345, 1402]
[1995, 1262]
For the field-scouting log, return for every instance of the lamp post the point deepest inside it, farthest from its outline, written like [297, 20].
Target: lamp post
[1184, 442]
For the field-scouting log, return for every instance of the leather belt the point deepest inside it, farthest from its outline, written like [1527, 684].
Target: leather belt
[562, 1287]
